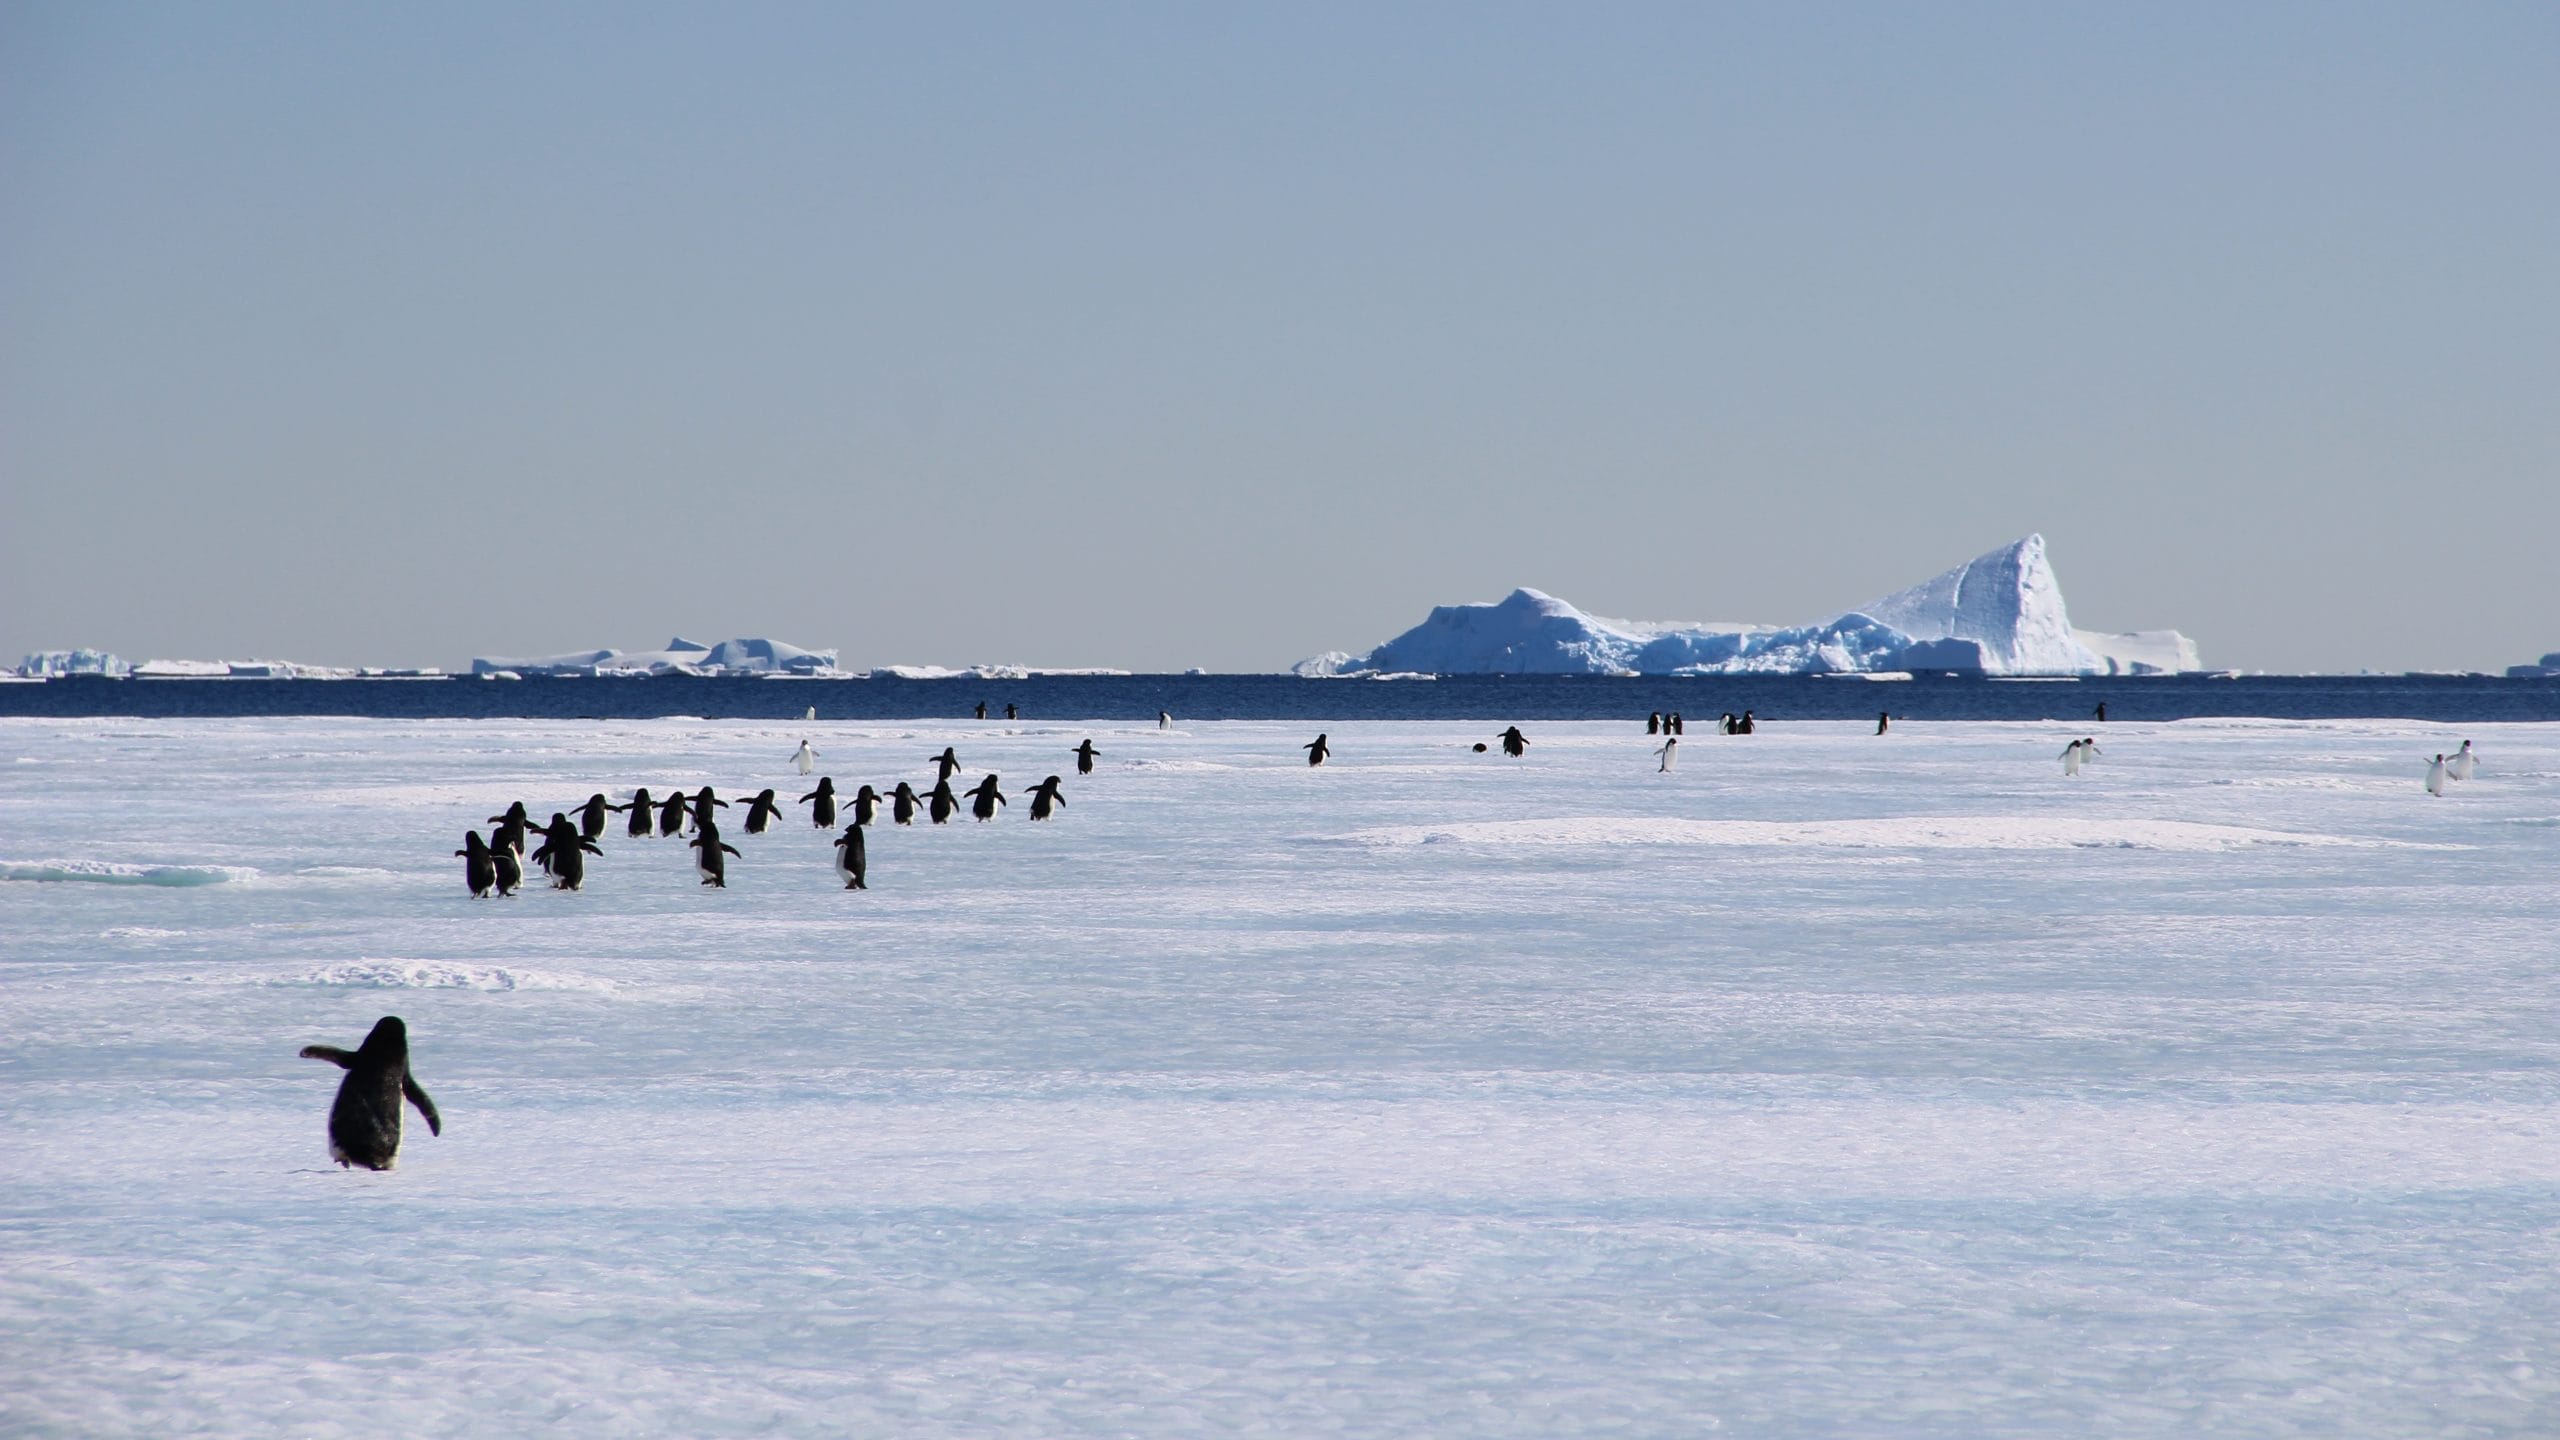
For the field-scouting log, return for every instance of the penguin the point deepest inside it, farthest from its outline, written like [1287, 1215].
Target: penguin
[806, 758]
[1045, 798]
[591, 816]
[1675, 725]
[824, 797]
[702, 802]
[851, 863]
[982, 709]
[2462, 764]
[671, 814]
[1653, 723]
[866, 806]
[2071, 758]
[1514, 744]
[1670, 754]
[1164, 719]
[812, 715]
[507, 838]
[1726, 722]
[2088, 749]
[479, 870]
[760, 812]
[1010, 713]
[1743, 725]
[1317, 750]
[945, 765]
[364, 1122]
[984, 797]
[510, 866]
[2102, 712]
[1884, 721]
[564, 853]
[940, 802]
[1084, 757]
[554, 835]
[902, 805]
[515, 816]
[707, 850]
[2436, 775]
[642, 809]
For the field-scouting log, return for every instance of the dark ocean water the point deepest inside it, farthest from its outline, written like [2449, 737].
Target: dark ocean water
[1285, 697]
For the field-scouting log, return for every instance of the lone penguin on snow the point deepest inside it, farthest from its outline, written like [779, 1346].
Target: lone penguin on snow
[852, 865]
[364, 1123]
[1884, 721]
[806, 758]
[1669, 753]
[945, 765]
[1164, 719]
[1045, 798]
[1514, 744]
[1084, 757]
[1317, 750]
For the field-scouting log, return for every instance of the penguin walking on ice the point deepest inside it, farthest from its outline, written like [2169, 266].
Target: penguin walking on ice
[479, 868]
[1514, 744]
[866, 806]
[1672, 724]
[852, 865]
[364, 1121]
[904, 804]
[703, 800]
[564, 854]
[591, 816]
[982, 709]
[1884, 721]
[1653, 723]
[940, 803]
[824, 797]
[671, 812]
[2088, 749]
[945, 765]
[643, 810]
[1010, 713]
[1744, 725]
[1317, 750]
[507, 838]
[2462, 764]
[1045, 798]
[812, 715]
[760, 811]
[2437, 774]
[1084, 757]
[2071, 758]
[508, 861]
[708, 850]
[551, 835]
[984, 797]
[1164, 719]
[806, 758]
[2102, 712]
[1669, 754]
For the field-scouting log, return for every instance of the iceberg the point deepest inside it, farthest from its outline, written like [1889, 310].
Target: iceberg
[2547, 669]
[745, 656]
[53, 664]
[2000, 613]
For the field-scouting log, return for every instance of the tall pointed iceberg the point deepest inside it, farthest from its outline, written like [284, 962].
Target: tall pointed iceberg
[2000, 613]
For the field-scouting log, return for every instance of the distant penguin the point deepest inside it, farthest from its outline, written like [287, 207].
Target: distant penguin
[1884, 721]
[1514, 744]
[1653, 723]
[824, 798]
[364, 1123]
[1164, 719]
[643, 810]
[479, 870]
[2071, 758]
[591, 816]
[1669, 754]
[904, 803]
[2462, 764]
[1674, 725]
[1743, 726]
[1045, 798]
[2102, 712]
[866, 806]
[806, 758]
[945, 765]
[982, 709]
[1725, 723]
[1317, 750]
[2088, 749]
[1084, 757]
[812, 715]
[671, 813]
[984, 797]
[703, 800]
[1010, 713]
[707, 862]
[760, 812]
[940, 803]
[852, 865]
[2437, 774]
[510, 867]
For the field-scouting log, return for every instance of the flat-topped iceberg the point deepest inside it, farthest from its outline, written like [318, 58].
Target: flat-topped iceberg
[2000, 613]
[750, 656]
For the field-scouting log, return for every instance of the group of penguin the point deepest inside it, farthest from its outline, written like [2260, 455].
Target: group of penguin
[497, 865]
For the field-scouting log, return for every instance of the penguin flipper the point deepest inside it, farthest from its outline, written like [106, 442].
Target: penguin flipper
[417, 1094]
[732, 849]
[343, 1059]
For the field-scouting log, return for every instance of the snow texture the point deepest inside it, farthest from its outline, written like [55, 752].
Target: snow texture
[1834, 1084]
[2000, 613]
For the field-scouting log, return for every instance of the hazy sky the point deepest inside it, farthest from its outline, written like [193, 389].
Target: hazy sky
[1171, 335]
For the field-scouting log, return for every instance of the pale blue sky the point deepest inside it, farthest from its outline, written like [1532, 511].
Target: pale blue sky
[1177, 335]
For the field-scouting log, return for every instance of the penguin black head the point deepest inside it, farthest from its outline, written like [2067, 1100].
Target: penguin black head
[389, 1037]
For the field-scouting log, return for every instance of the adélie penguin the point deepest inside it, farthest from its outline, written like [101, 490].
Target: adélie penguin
[2462, 764]
[760, 811]
[1514, 744]
[1084, 758]
[1669, 754]
[824, 798]
[1045, 798]
[364, 1123]
[701, 805]
[509, 863]
[852, 865]
[984, 797]
[2071, 758]
[1317, 750]
[479, 868]
[2437, 774]
[940, 803]
[904, 803]
[643, 810]
[591, 816]
[806, 759]
[671, 812]
[708, 850]
[945, 765]
[866, 806]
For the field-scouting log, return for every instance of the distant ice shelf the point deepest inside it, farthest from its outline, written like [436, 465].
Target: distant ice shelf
[2000, 613]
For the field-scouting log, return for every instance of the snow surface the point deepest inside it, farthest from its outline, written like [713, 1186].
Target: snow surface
[2000, 613]
[1832, 1085]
